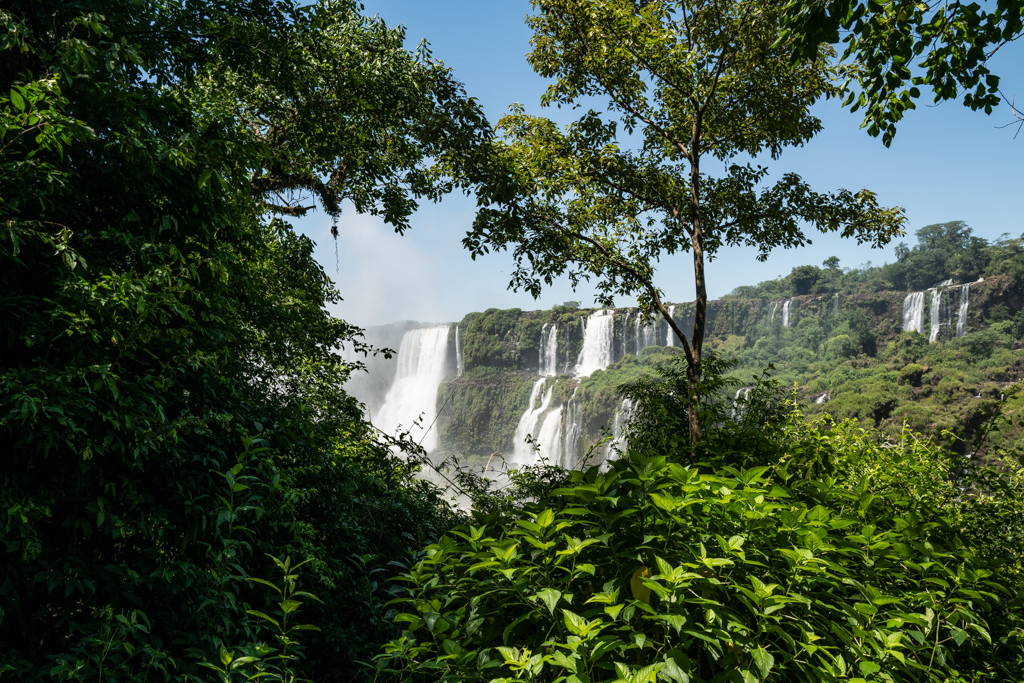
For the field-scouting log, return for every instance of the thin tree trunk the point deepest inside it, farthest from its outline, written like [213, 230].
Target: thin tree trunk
[700, 303]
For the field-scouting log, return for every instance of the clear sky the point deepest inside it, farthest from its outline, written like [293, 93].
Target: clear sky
[946, 163]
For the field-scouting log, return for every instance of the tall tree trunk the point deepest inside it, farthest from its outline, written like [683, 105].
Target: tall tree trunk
[700, 303]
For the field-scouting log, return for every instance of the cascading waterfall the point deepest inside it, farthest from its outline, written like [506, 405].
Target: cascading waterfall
[936, 315]
[549, 350]
[645, 333]
[623, 414]
[913, 312]
[422, 365]
[785, 313]
[549, 437]
[738, 405]
[835, 303]
[670, 336]
[941, 314]
[598, 342]
[961, 315]
[458, 354]
[573, 440]
[771, 312]
[624, 336]
[822, 399]
[530, 423]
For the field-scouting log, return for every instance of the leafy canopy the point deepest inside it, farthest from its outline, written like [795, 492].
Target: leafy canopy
[953, 41]
[616, 191]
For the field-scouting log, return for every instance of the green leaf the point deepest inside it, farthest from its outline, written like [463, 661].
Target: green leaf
[575, 623]
[763, 660]
[550, 597]
[263, 616]
[867, 668]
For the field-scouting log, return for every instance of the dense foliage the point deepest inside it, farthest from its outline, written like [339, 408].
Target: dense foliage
[170, 402]
[829, 556]
[884, 39]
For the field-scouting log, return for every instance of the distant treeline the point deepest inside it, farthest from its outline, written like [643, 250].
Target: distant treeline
[943, 251]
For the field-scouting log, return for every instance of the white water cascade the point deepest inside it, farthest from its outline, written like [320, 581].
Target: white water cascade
[670, 336]
[598, 338]
[623, 414]
[771, 312]
[913, 312]
[422, 364]
[549, 350]
[645, 333]
[739, 402]
[522, 453]
[961, 315]
[549, 437]
[573, 440]
[936, 315]
[458, 354]
[542, 424]
[785, 313]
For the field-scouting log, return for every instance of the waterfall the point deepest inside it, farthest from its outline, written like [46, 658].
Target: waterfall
[458, 354]
[623, 414]
[941, 315]
[529, 424]
[739, 402]
[549, 437]
[913, 312]
[835, 303]
[625, 326]
[785, 313]
[961, 316]
[934, 318]
[598, 342]
[822, 399]
[771, 312]
[422, 365]
[650, 334]
[645, 333]
[638, 341]
[573, 440]
[670, 336]
[549, 350]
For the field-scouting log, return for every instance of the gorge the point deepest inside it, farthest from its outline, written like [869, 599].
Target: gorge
[533, 385]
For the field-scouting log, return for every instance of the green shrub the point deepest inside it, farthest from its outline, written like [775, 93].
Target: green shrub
[840, 346]
[652, 570]
[911, 374]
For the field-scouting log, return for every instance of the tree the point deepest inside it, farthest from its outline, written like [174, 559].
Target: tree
[171, 410]
[689, 83]
[884, 39]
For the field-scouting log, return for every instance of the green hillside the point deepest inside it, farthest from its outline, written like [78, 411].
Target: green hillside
[843, 349]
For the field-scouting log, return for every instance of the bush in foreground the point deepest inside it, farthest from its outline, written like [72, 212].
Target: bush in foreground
[844, 560]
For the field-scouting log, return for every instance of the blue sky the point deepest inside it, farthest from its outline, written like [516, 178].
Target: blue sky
[946, 163]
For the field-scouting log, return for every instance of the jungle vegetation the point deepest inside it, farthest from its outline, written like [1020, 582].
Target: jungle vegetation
[189, 494]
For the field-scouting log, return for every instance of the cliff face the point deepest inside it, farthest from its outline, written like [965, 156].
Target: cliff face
[512, 372]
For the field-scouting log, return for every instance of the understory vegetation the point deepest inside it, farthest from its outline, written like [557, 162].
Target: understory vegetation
[781, 549]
